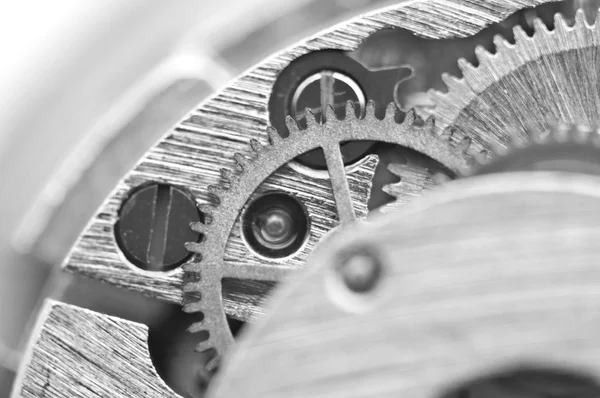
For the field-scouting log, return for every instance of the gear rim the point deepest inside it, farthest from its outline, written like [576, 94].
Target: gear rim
[484, 104]
[202, 283]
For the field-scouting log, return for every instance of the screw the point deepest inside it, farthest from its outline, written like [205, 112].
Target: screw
[361, 271]
[154, 225]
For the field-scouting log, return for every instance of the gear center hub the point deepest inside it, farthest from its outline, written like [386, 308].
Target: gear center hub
[275, 225]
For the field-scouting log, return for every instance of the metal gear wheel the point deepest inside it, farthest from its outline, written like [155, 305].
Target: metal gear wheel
[565, 147]
[204, 280]
[533, 82]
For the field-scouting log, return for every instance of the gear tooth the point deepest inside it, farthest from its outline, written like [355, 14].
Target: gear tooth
[330, 116]
[447, 132]
[194, 268]
[390, 189]
[580, 18]
[482, 54]
[370, 110]
[560, 24]
[311, 119]
[454, 136]
[539, 25]
[411, 117]
[465, 65]
[194, 247]
[520, 34]
[241, 161]
[204, 346]
[273, 135]
[437, 96]
[197, 327]
[350, 109]
[216, 189]
[292, 125]
[430, 122]
[452, 82]
[391, 111]
[207, 212]
[194, 307]
[256, 146]
[226, 174]
[198, 227]
[213, 363]
[396, 169]
[501, 43]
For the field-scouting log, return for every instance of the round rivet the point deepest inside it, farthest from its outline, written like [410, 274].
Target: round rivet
[361, 271]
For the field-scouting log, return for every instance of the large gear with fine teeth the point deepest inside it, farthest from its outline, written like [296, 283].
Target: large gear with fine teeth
[229, 272]
[527, 85]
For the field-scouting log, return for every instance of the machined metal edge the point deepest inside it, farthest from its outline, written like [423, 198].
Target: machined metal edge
[78, 353]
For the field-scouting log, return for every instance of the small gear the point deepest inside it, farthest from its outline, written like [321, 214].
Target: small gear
[533, 82]
[414, 182]
[204, 280]
[566, 147]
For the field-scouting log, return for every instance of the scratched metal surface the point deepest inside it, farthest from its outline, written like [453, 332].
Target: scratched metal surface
[486, 274]
[77, 353]
[191, 154]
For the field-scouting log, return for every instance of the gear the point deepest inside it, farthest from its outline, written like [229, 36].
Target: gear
[570, 148]
[533, 82]
[203, 282]
[414, 182]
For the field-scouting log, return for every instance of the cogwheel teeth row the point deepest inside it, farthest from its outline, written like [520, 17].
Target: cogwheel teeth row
[501, 89]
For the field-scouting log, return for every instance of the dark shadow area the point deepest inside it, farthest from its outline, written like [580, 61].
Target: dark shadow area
[528, 382]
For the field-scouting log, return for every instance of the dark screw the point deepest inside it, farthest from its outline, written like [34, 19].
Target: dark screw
[361, 271]
[154, 225]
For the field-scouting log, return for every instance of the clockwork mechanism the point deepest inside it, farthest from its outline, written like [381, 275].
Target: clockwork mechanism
[386, 183]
